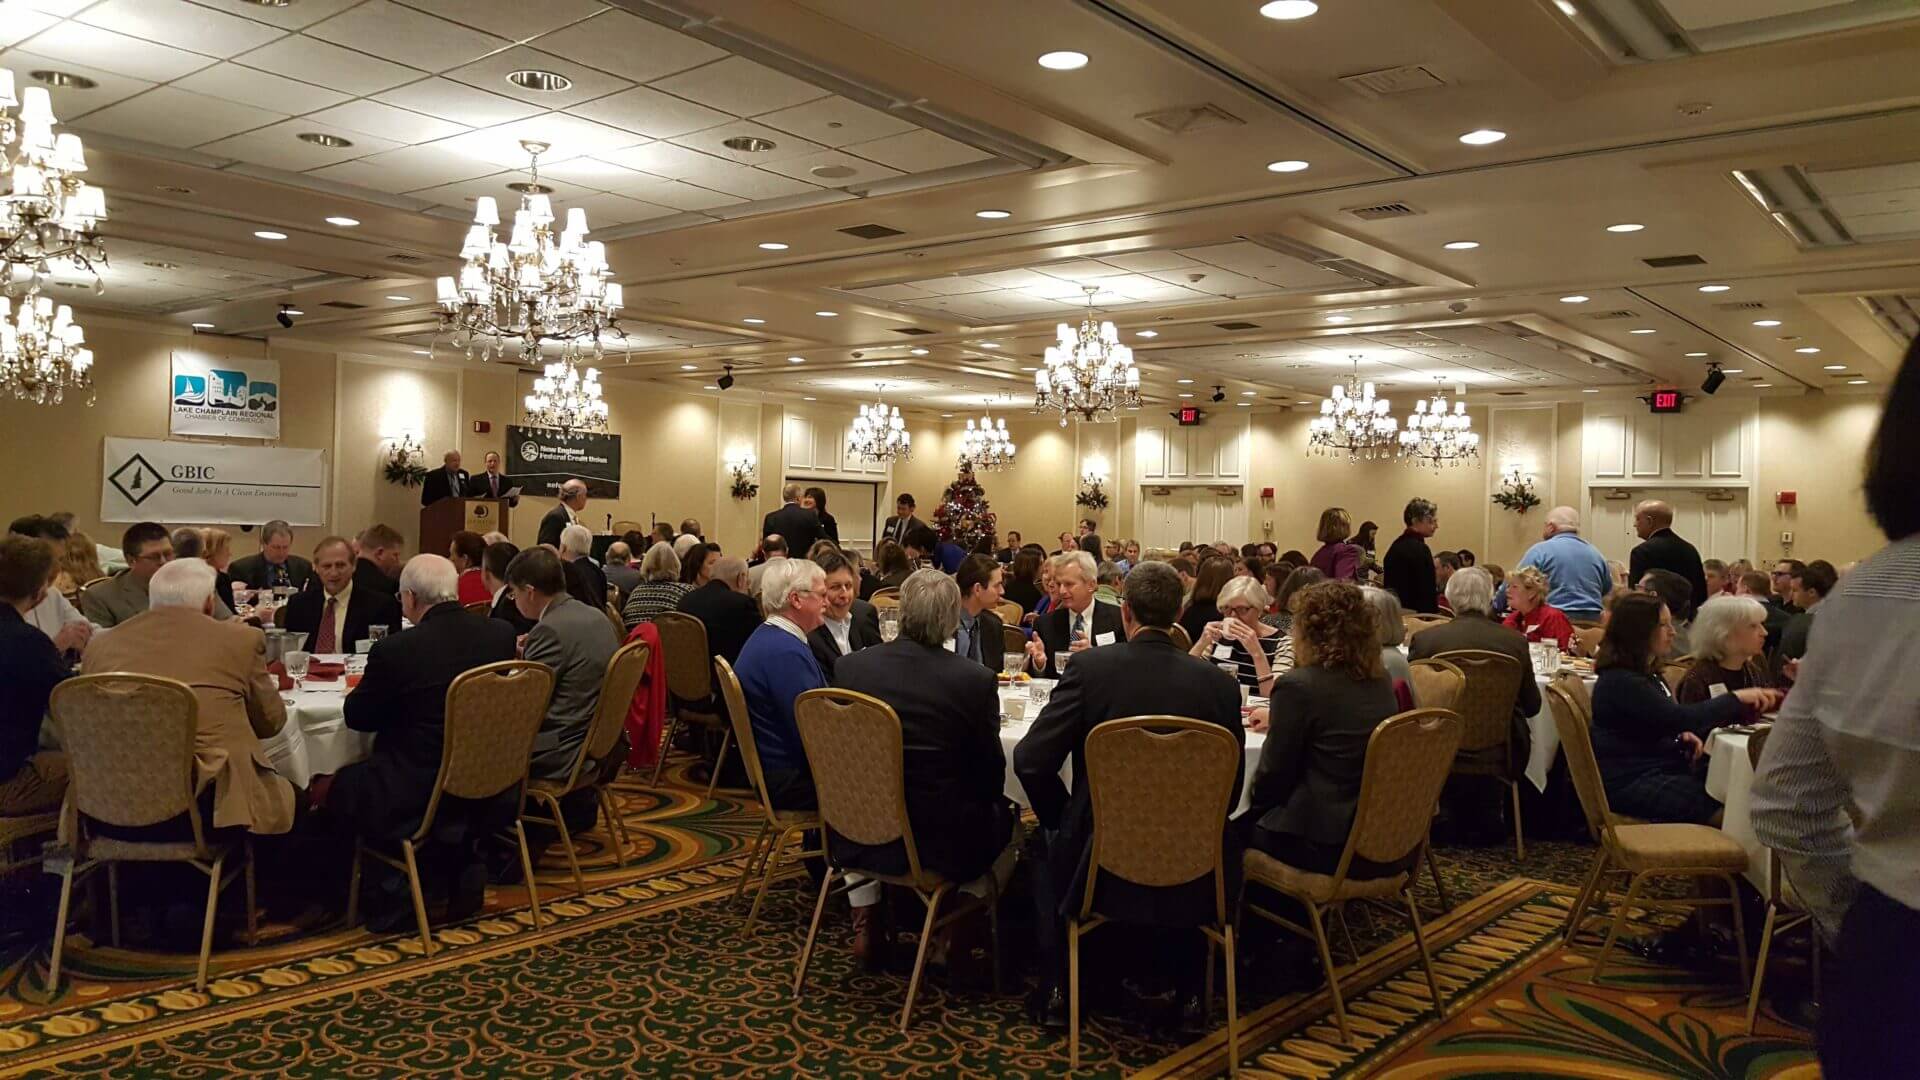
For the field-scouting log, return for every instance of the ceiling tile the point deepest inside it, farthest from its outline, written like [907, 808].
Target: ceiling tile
[327, 65]
[18, 26]
[516, 19]
[918, 151]
[458, 102]
[407, 169]
[739, 86]
[70, 102]
[801, 168]
[280, 146]
[387, 122]
[181, 25]
[491, 74]
[835, 121]
[630, 46]
[713, 141]
[231, 82]
[566, 137]
[757, 184]
[83, 44]
[672, 162]
[604, 210]
[176, 118]
[676, 194]
[1141, 262]
[291, 17]
[387, 30]
[460, 195]
[650, 112]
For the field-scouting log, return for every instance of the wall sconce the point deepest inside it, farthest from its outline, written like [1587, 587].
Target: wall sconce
[1516, 490]
[741, 464]
[405, 463]
[1096, 471]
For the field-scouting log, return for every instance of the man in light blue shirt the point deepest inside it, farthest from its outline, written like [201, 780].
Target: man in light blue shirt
[1577, 575]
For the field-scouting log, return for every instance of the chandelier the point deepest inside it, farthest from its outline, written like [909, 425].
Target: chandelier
[1089, 372]
[987, 447]
[536, 286]
[1435, 436]
[1353, 421]
[878, 433]
[47, 213]
[567, 397]
[43, 353]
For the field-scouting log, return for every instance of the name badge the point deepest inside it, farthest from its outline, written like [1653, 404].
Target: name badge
[1716, 690]
[951, 645]
[1103, 639]
[1223, 652]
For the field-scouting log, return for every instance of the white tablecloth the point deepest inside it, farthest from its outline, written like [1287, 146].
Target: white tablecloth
[316, 739]
[1730, 779]
[1546, 736]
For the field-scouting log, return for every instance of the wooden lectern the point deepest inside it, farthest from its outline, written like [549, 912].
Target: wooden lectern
[440, 521]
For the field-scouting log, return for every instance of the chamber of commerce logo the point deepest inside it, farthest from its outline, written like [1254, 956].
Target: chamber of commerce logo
[263, 397]
[227, 389]
[529, 451]
[136, 479]
[189, 390]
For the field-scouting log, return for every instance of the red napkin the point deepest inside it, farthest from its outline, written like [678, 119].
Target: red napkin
[325, 671]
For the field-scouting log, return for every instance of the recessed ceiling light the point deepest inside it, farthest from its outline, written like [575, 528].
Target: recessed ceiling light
[1766, 322]
[1643, 330]
[1733, 371]
[809, 399]
[796, 359]
[290, 309]
[1625, 226]
[828, 314]
[1303, 403]
[773, 245]
[1186, 395]
[1575, 299]
[321, 138]
[343, 222]
[1244, 404]
[918, 352]
[1590, 390]
[1856, 382]
[1291, 165]
[1339, 318]
[749, 144]
[1482, 137]
[423, 352]
[1763, 386]
[540, 82]
[1184, 382]
[398, 299]
[993, 215]
[1715, 288]
[1288, 10]
[1566, 8]
[1029, 369]
[269, 234]
[1064, 60]
[1249, 393]
[989, 344]
[203, 326]
[946, 416]
[753, 322]
[710, 386]
[1461, 245]
[1834, 367]
[1147, 334]
[1809, 350]
[689, 367]
[1696, 354]
[64, 79]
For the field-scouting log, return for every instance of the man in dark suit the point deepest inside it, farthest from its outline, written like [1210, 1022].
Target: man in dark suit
[573, 500]
[1409, 568]
[275, 564]
[1076, 622]
[492, 484]
[980, 637]
[575, 640]
[381, 550]
[1660, 549]
[586, 582]
[402, 697]
[794, 523]
[338, 613]
[446, 482]
[902, 521]
[849, 624]
[725, 607]
[493, 571]
[1146, 674]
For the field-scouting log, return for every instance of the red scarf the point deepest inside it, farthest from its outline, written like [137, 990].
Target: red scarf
[647, 716]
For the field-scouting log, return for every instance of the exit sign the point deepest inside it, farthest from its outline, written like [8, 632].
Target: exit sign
[1188, 416]
[1665, 401]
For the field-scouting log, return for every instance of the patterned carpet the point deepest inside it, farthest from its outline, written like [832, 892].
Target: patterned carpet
[652, 973]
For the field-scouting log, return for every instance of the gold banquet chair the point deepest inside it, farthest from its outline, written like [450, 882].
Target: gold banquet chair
[854, 749]
[1010, 613]
[1406, 767]
[479, 607]
[492, 715]
[1785, 909]
[130, 756]
[1486, 706]
[1161, 788]
[1012, 640]
[885, 600]
[624, 671]
[1414, 622]
[779, 826]
[1674, 672]
[1437, 684]
[1181, 640]
[1642, 851]
[688, 663]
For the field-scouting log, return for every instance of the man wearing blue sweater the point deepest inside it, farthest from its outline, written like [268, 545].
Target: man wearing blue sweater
[775, 667]
[1577, 572]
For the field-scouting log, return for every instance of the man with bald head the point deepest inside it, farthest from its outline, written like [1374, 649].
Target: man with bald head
[1660, 549]
[1577, 573]
[573, 502]
[445, 482]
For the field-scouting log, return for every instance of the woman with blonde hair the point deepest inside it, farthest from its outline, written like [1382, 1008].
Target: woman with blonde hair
[1257, 653]
[1337, 558]
[216, 550]
[77, 563]
[1537, 620]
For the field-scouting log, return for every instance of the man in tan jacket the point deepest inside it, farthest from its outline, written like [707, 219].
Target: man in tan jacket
[225, 664]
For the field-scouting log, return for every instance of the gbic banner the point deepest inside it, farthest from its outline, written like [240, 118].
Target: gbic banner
[153, 480]
[224, 396]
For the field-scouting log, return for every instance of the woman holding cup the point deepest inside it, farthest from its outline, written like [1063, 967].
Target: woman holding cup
[1248, 649]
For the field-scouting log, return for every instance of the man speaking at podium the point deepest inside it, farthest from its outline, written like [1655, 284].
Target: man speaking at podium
[445, 482]
[492, 484]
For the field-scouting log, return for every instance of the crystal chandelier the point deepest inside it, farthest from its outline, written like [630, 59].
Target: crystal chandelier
[878, 433]
[47, 213]
[1434, 436]
[1089, 373]
[987, 447]
[43, 353]
[1353, 421]
[536, 286]
[567, 398]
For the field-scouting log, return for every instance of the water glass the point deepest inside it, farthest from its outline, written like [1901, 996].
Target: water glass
[1013, 663]
[1549, 664]
[296, 661]
[889, 627]
[1037, 692]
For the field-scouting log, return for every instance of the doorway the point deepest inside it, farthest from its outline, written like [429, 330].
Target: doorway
[1173, 514]
[1713, 520]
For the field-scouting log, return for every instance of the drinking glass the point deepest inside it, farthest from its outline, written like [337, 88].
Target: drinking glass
[889, 627]
[1013, 663]
[296, 662]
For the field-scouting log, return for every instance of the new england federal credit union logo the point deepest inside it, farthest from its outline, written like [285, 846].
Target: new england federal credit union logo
[224, 389]
[530, 451]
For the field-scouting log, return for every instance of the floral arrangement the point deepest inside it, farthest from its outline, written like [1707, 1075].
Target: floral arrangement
[1516, 493]
[744, 488]
[404, 466]
[1092, 496]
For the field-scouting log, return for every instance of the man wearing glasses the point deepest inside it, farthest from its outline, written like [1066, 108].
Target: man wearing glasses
[1780, 606]
[148, 548]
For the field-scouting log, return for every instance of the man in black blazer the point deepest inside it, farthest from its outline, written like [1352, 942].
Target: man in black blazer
[725, 607]
[1408, 565]
[902, 522]
[573, 500]
[338, 613]
[794, 523]
[1145, 674]
[1077, 621]
[849, 624]
[402, 697]
[275, 564]
[492, 484]
[1660, 549]
[381, 550]
[493, 571]
[445, 482]
[980, 637]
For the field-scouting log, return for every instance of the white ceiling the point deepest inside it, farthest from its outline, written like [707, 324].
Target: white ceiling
[158, 277]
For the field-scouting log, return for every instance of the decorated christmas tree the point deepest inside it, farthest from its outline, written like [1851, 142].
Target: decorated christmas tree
[964, 516]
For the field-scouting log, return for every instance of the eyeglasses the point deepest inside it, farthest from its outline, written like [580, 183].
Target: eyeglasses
[162, 557]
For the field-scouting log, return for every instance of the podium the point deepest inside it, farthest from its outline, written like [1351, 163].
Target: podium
[440, 521]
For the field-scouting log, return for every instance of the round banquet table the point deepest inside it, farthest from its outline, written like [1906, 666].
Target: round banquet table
[316, 739]
[1730, 779]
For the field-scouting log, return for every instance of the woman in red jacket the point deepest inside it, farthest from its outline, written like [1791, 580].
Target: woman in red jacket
[1530, 613]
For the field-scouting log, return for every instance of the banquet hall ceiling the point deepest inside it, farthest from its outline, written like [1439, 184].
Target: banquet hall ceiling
[1776, 153]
